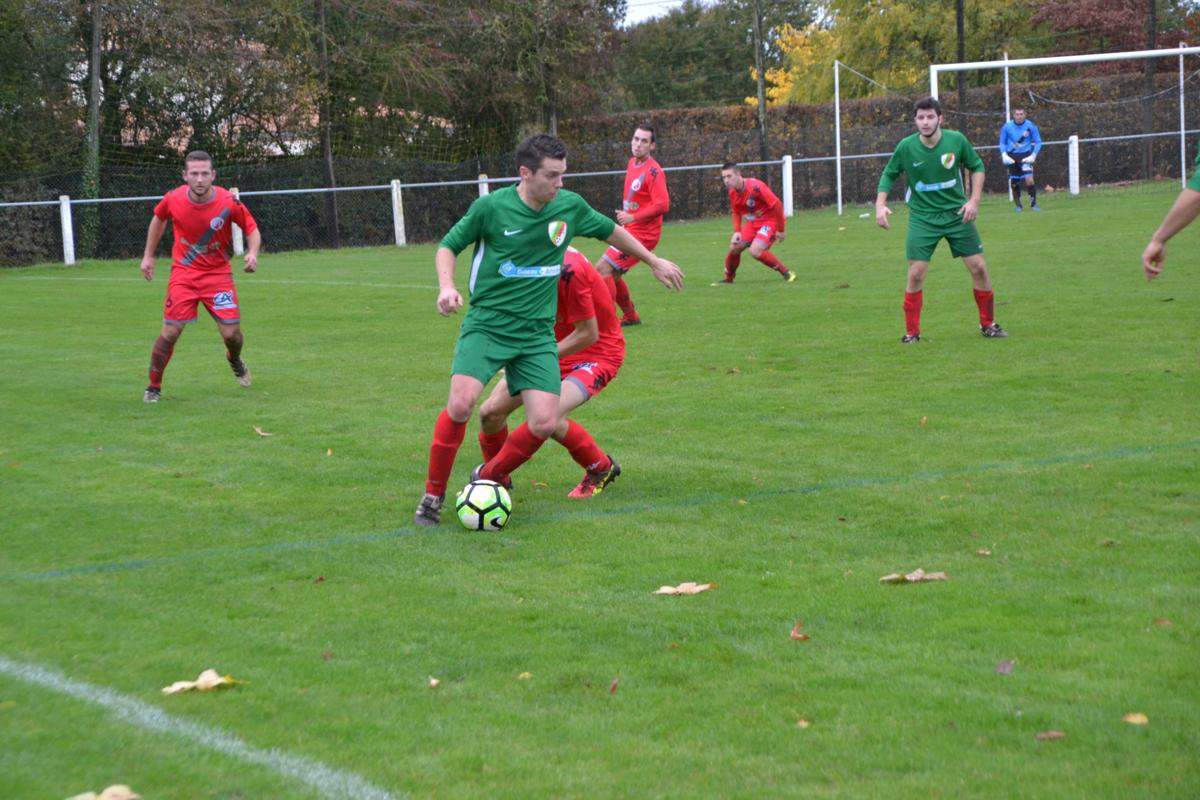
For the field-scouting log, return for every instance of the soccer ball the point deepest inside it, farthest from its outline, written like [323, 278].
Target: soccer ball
[483, 506]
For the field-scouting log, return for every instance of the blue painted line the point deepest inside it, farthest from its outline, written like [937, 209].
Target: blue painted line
[597, 510]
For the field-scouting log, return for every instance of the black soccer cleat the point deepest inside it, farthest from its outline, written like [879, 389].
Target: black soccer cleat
[993, 331]
[506, 481]
[429, 510]
[910, 338]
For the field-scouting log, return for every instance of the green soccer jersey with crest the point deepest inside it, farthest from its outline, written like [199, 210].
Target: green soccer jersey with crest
[519, 251]
[934, 175]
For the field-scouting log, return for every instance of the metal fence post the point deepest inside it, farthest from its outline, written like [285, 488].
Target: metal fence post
[398, 214]
[239, 243]
[68, 230]
[788, 202]
[1073, 163]
[483, 184]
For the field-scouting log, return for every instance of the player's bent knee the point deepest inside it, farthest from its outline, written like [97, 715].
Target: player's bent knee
[542, 428]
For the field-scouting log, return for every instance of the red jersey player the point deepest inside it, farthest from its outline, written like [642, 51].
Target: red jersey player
[646, 200]
[591, 349]
[757, 222]
[202, 216]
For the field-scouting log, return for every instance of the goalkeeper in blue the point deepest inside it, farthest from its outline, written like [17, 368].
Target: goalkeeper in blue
[1020, 143]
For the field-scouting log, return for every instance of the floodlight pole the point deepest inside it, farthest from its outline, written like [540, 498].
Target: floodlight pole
[837, 130]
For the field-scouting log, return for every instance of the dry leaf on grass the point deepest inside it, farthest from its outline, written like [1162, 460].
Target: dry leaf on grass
[540, 485]
[118, 791]
[686, 588]
[327, 656]
[434, 682]
[916, 576]
[524, 676]
[983, 551]
[261, 432]
[802, 723]
[612, 687]
[923, 421]
[1162, 622]
[1005, 667]
[207, 681]
[799, 635]
[329, 451]
[1136, 718]
[1049, 736]
[319, 579]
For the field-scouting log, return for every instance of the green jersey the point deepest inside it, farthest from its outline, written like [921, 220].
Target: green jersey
[934, 175]
[519, 251]
[1194, 183]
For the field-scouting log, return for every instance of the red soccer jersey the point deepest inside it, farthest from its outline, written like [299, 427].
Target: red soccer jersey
[203, 234]
[755, 203]
[583, 294]
[646, 197]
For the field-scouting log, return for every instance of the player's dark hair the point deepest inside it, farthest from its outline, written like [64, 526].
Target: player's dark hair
[197, 155]
[730, 165]
[926, 103]
[648, 128]
[533, 150]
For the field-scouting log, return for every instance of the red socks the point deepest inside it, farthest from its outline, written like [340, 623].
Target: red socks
[732, 260]
[490, 443]
[624, 300]
[987, 307]
[519, 448]
[771, 261]
[447, 438]
[159, 356]
[583, 447]
[611, 283]
[912, 313]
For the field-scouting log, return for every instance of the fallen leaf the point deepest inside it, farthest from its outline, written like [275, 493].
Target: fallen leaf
[841, 227]
[671, 646]
[208, 680]
[1005, 667]
[328, 656]
[1136, 718]
[686, 588]
[983, 551]
[540, 485]
[1162, 622]
[842, 286]
[916, 576]
[1048, 736]
[117, 791]
[733, 371]
[923, 421]
[797, 635]
[1108, 542]
[841, 519]
[1087, 466]
[434, 682]
[612, 687]
[261, 432]
[742, 502]
[319, 579]
[524, 676]
[329, 451]
[802, 723]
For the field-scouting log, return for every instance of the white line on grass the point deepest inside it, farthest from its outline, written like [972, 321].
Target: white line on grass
[424, 287]
[326, 781]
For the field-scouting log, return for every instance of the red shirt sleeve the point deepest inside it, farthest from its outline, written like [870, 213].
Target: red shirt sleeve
[733, 210]
[774, 206]
[660, 199]
[242, 216]
[163, 209]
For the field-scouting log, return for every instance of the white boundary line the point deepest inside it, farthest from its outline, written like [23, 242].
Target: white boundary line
[423, 287]
[326, 781]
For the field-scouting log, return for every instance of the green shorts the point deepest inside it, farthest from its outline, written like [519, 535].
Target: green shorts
[525, 349]
[923, 238]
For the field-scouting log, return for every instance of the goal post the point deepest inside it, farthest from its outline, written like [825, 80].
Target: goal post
[935, 70]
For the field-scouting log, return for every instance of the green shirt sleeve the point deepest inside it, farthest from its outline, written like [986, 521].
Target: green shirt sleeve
[1194, 183]
[591, 223]
[891, 171]
[468, 229]
[968, 157]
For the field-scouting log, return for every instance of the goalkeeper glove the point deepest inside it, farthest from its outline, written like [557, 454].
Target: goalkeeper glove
[1006, 158]
[1029, 159]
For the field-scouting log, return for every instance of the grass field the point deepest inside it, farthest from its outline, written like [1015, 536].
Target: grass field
[776, 439]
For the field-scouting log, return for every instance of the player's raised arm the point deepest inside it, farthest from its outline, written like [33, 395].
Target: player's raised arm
[153, 237]
[667, 272]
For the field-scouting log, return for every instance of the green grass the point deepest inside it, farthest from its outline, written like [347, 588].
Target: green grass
[775, 439]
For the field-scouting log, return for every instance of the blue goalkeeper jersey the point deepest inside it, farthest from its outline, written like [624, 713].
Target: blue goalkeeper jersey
[1020, 140]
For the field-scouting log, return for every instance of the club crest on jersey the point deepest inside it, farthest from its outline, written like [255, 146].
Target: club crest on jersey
[223, 300]
[948, 160]
[557, 231]
[750, 202]
[216, 223]
[636, 185]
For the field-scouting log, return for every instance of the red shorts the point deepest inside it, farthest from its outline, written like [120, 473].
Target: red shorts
[591, 376]
[623, 262]
[188, 287]
[757, 229]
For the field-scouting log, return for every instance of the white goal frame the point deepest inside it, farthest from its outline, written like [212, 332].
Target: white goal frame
[1006, 63]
